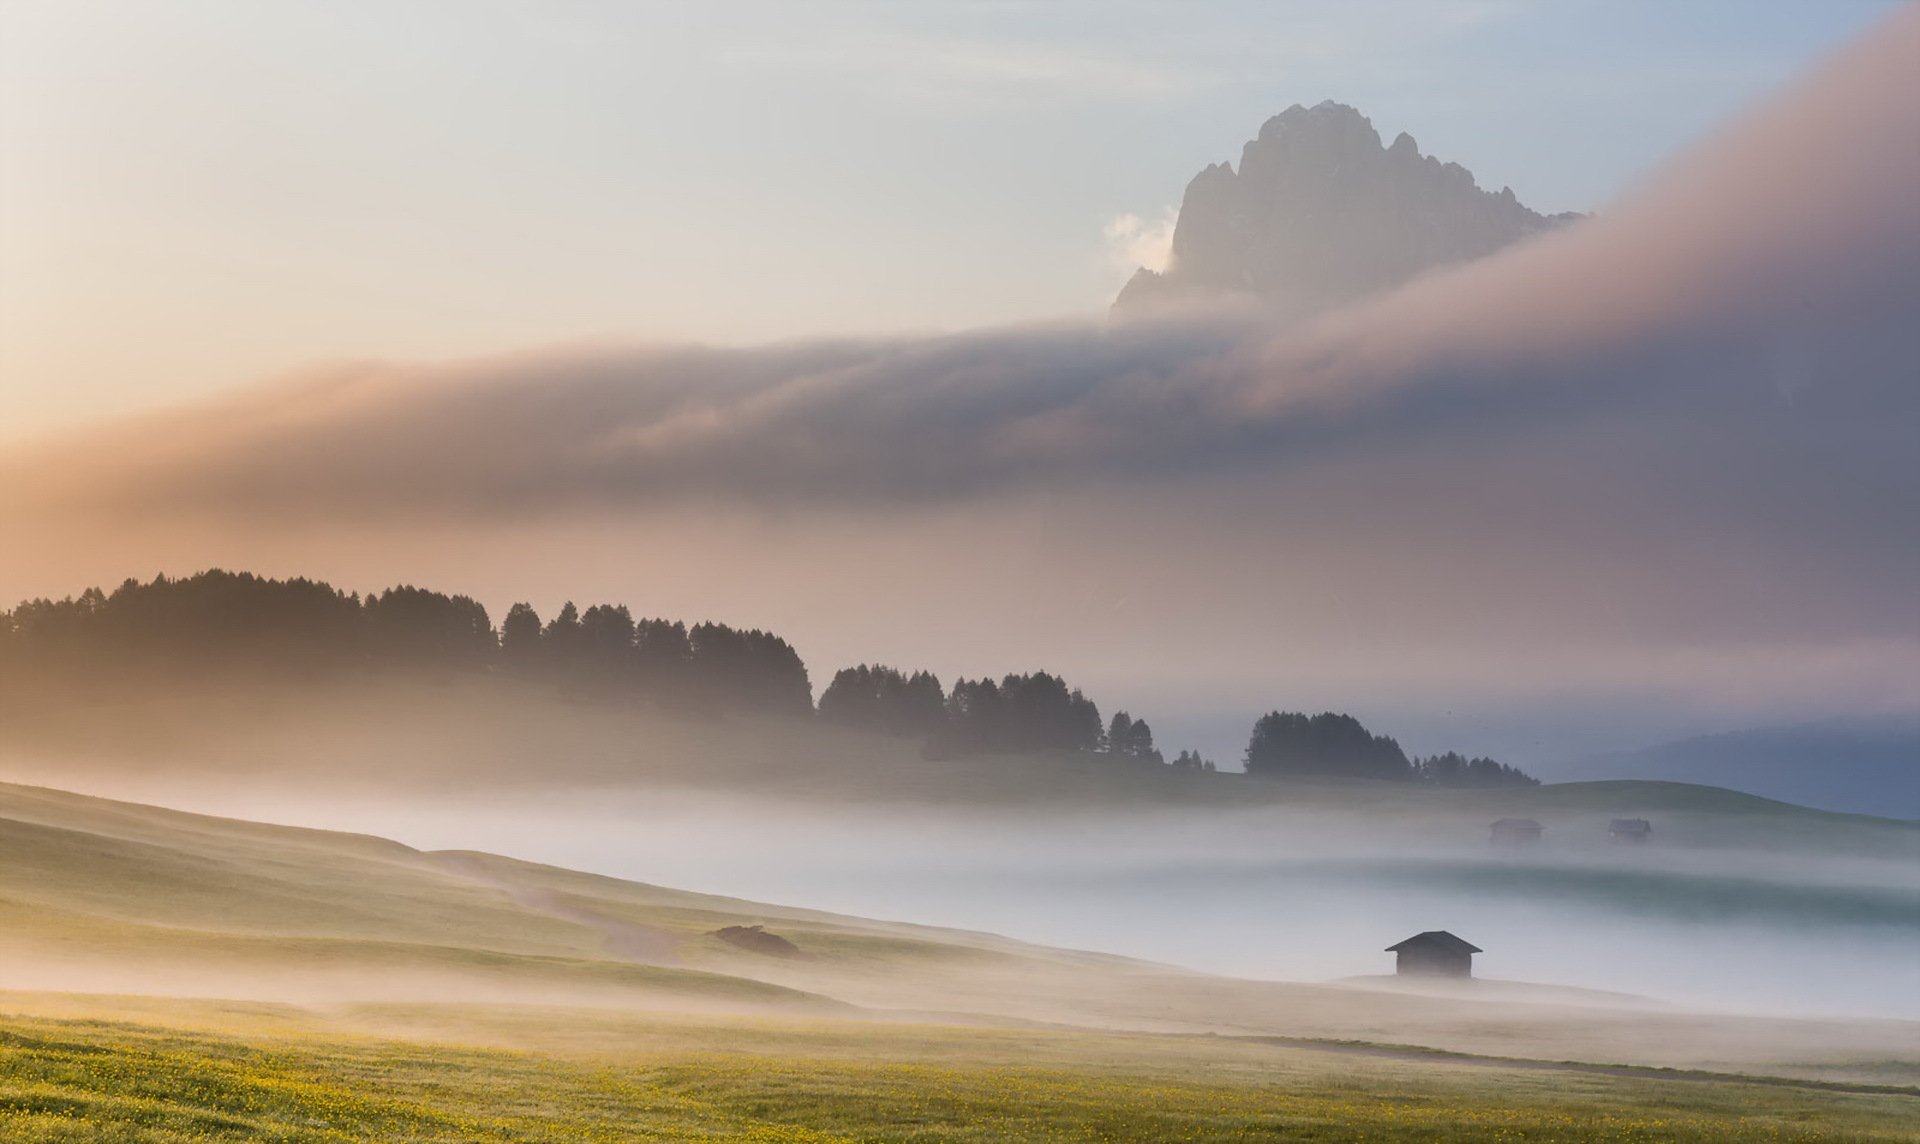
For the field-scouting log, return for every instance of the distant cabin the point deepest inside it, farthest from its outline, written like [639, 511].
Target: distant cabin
[1633, 830]
[1515, 832]
[1435, 953]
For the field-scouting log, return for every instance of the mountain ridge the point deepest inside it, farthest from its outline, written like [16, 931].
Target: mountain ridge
[1320, 212]
[1852, 768]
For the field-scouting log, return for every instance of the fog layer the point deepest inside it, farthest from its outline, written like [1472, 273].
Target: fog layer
[1696, 919]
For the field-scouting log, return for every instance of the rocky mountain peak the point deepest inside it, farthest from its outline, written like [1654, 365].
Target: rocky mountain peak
[1321, 212]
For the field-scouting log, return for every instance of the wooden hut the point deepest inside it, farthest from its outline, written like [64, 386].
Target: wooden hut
[1635, 831]
[1515, 832]
[1435, 953]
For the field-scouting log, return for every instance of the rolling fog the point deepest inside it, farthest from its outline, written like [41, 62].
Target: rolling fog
[1270, 893]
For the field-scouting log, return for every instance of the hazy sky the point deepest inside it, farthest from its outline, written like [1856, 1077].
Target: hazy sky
[198, 194]
[1654, 472]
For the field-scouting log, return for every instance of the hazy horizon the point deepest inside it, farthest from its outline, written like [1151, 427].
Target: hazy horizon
[1647, 477]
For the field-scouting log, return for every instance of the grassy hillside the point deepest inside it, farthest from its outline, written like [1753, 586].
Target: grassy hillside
[105, 897]
[176, 977]
[1871, 767]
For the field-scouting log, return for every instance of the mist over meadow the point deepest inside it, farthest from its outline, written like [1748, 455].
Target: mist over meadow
[1292, 896]
[1658, 459]
[1274, 895]
[1730, 908]
[960, 571]
[696, 757]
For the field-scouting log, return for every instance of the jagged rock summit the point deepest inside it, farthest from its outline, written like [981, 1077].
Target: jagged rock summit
[1321, 213]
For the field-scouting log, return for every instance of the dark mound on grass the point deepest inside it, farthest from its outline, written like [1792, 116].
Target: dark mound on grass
[755, 939]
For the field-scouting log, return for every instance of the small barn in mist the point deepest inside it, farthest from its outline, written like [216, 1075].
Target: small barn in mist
[1633, 831]
[1434, 953]
[1514, 832]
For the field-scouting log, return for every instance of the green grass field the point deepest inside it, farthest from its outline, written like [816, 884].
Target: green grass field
[280, 1075]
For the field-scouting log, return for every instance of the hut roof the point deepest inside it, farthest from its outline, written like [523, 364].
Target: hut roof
[1436, 939]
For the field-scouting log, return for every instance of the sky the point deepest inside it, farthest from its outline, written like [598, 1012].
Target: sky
[794, 318]
[202, 194]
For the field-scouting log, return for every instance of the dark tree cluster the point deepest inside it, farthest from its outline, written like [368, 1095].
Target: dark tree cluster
[1131, 738]
[236, 623]
[1017, 713]
[1456, 770]
[1036, 712]
[605, 651]
[223, 624]
[879, 698]
[1294, 743]
[1191, 761]
[412, 627]
[1338, 746]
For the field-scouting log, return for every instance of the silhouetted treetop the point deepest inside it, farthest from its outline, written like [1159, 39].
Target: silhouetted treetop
[1036, 712]
[220, 626]
[752, 669]
[1191, 761]
[520, 638]
[1456, 770]
[408, 625]
[1293, 743]
[219, 623]
[881, 698]
[1132, 738]
[213, 621]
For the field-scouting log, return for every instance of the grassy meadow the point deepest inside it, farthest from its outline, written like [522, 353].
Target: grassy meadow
[201, 1072]
[100, 897]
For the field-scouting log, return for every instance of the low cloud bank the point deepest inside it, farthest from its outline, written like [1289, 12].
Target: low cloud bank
[1763, 287]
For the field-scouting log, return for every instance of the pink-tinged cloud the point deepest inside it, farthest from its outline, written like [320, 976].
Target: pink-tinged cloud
[1778, 263]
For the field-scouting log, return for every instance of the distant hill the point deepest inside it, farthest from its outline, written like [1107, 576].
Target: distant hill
[391, 739]
[1858, 769]
[1320, 212]
[105, 896]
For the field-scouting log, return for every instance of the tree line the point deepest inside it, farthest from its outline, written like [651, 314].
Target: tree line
[605, 651]
[1338, 746]
[1016, 713]
[220, 624]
